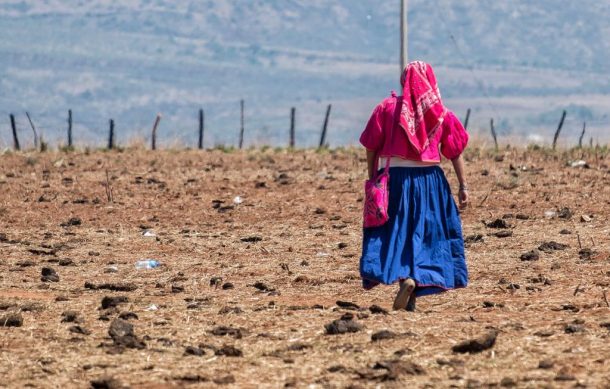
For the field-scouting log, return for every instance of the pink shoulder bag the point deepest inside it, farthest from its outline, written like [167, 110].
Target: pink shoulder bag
[377, 194]
[376, 197]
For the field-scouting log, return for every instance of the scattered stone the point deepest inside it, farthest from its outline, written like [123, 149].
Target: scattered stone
[227, 310]
[228, 379]
[376, 310]
[484, 342]
[546, 364]
[586, 219]
[343, 325]
[508, 382]
[50, 252]
[74, 221]
[128, 316]
[450, 362]
[503, 234]
[498, 223]
[194, 351]
[348, 305]
[110, 302]
[342, 245]
[605, 325]
[565, 213]
[263, 287]
[177, 288]
[215, 282]
[320, 211]
[565, 374]
[229, 351]
[227, 331]
[551, 246]
[252, 239]
[3, 237]
[533, 255]
[565, 232]
[25, 263]
[521, 216]
[383, 335]
[586, 254]
[115, 287]
[66, 262]
[228, 286]
[123, 335]
[106, 383]
[573, 328]
[298, 346]
[49, 275]
[11, 320]
[398, 368]
[491, 304]
[473, 238]
[79, 330]
[70, 317]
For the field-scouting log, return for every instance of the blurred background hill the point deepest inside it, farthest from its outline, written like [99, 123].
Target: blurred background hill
[521, 62]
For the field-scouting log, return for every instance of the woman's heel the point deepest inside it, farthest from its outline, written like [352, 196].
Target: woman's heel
[402, 297]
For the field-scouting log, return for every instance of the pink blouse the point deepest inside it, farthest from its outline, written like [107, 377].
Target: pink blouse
[452, 137]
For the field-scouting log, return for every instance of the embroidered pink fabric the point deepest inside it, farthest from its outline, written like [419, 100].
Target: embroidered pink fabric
[451, 135]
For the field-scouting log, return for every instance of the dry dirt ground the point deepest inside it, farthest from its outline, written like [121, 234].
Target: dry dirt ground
[245, 290]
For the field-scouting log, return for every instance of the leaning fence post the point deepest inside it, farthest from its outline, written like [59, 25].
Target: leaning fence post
[15, 138]
[69, 128]
[324, 128]
[563, 117]
[493, 134]
[241, 132]
[292, 115]
[467, 118]
[33, 129]
[111, 135]
[154, 131]
[582, 134]
[201, 124]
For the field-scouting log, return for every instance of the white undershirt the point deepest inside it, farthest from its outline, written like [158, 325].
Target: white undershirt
[399, 162]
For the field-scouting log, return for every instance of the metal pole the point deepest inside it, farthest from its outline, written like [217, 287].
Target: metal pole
[404, 34]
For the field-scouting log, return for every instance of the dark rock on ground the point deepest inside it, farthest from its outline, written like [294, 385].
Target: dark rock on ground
[476, 345]
[565, 374]
[227, 310]
[546, 364]
[503, 234]
[128, 316]
[79, 330]
[112, 286]
[215, 281]
[551, 246]
[565, 213]
[11, 320]
[66, 262]
[533, 255]
[342, 326]
[383, 335]
[195, 351]
[70, 317]
[113, 301]
[498, 223]
[74, 221]
[122, 334]
[376, 309]
[228, 286]
[348, 305]
[228, 379]
[252, 239]
[397, 368]
[565, 232]
[107, 383]
[227, 331]
[229, 351]
[49, 275]
[263, 287]
[573, 328]
[473, 238]
[299, 346]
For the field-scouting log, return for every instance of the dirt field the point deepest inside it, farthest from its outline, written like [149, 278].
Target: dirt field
[245, 290]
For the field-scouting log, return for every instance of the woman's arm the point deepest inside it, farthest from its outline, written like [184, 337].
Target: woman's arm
[458, 166]
[370, 161]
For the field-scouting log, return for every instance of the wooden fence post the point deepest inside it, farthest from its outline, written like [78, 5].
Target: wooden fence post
[467, 118]
[325, 127]
[201, 127]
[563, 118]
[154, 132]
[111, 135]
[241, 132]
[292, 115]
[582, 134]
[494, 135]
[69, 128]
[15, 138]
[33, 129]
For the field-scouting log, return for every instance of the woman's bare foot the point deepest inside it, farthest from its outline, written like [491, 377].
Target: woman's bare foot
[402, 297]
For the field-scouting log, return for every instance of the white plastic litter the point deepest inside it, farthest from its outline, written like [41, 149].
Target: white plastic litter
[322, 254]
[152, 307]
[238, 200]
[579, 163]
[550, 214]
[149, 233]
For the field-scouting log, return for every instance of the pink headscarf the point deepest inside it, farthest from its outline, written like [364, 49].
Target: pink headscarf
[422, 111]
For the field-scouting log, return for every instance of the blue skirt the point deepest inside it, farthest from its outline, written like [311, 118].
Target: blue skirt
[422, 239]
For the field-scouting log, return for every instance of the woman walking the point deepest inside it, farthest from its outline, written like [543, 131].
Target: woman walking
[421, 245]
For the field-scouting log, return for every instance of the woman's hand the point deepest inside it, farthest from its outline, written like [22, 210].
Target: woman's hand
[463, 197]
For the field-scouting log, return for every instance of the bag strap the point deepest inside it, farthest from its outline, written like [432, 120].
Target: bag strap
[388, 159]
